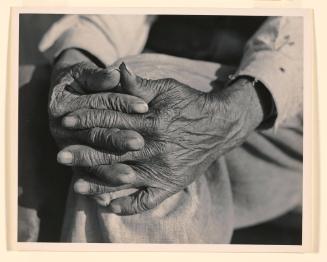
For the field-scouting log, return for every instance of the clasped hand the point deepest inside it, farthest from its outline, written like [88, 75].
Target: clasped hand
[155, 136]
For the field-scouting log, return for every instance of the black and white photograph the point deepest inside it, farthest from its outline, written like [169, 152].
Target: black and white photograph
[160, 128]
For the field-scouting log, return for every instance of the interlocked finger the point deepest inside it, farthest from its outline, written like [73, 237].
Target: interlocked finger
[141, 201]
[94, 79]
[85, 156]
[112, 140]
[92, 186]
[117, 174]
[112, 101]
[89, 118]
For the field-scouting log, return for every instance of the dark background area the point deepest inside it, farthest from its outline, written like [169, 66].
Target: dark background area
[186, 36]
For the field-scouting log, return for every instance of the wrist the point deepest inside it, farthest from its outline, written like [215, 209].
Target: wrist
[71, 57]
[251, 101]
[243, 103]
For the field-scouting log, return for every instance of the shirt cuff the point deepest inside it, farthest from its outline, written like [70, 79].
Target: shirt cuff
[277, 73]
[266, 100]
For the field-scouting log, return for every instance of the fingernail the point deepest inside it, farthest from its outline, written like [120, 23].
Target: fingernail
[115, 208]
[81, 187]
[65, 157]
[135, 143]
[69, 121]
[126, 68]
[141, 107]
[110, 70]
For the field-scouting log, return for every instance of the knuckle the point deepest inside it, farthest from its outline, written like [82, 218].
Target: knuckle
[96, 135]
[95, 188]
[95, 158]
[78, 102]
[150, 203]
[118, 141]
[126, 104]
[150, 122]
[88, 119]
[104, 138]
[78, 69]
[110, 159]
[56, 106]
[79, 158]
[159, 124]
[108, 138]
[99, 158]
[87, 158]
[143, 202]
[93, 135]
[116, 102]
[99, 189]
[143, 82]
[110, 101]
[103, 101]
[95, 101]
[170, 82]
[108, 119]
[84, 119]
[92, 187]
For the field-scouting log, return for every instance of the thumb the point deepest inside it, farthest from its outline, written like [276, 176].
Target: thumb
[138, 202]
[100, 80]
[138, 86]
[88, 78]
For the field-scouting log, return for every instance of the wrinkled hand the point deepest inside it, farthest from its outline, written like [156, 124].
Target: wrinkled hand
[83, 86]
[184, 131]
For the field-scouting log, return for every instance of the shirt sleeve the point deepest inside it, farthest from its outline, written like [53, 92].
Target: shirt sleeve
[107, 37]
[274, 56]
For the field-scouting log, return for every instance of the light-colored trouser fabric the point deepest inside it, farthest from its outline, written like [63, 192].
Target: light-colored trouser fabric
[253, 183]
